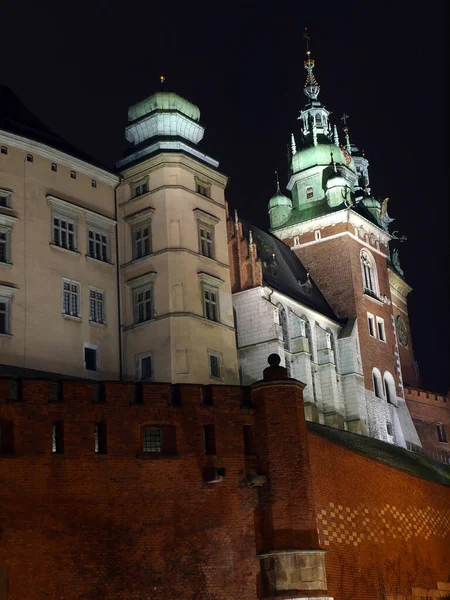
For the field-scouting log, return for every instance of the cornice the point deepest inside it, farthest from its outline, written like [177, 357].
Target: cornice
[73, 209]
[171, 145]
[398, 284]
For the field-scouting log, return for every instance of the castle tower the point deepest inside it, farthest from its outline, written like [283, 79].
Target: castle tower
[176, 308]
[340, 232]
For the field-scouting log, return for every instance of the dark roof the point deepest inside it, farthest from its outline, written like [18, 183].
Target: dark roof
[399, 458]
[10, 371]
[283, 271]
[16, 118]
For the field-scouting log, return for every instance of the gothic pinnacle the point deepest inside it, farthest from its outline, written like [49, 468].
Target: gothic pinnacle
[293, 144]
[311, 87]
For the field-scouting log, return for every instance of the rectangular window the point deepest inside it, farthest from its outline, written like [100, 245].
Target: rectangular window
[210, 303]
[57, 437]
[442, 434]
[98, 245]
[142, 301]
[209, 438]
[317, 235]
[4, 199]
[139, 187]
[71, 298]
[94, 183]
[73, 174]
[145, 368]
[371, 323]
[215, 364]
[249, 439]
[309, 192]
[141, 237]
[64, 230]
[5, 244]
[30, 158]
[4, 150]
[90, 358]
[100, 437]
[206, 240]
[203, 188]
[381, 330]
[54, 167]
[151, 439]
[96, 306]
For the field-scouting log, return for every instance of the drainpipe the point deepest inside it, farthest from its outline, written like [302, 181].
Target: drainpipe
[116, 215]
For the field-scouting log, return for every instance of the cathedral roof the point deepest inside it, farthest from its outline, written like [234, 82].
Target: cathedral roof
[17, 119]
[283, 271]
[163, 101]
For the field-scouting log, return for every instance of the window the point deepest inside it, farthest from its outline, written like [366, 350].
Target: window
[151, 439]
[4, 150]
[73, 174]
[377, 383]
[142, 302]
[93, 183]
[371, 323]
[206, 237]
[390, 389]
[90, 357]
[6, 294]
[369, 273]
[380, 329]
[54, 167]
[5, 244]
[57, 437]
[71, 298]
[317, 235]
[5, 199]
[30, 158]
[389, 429]
[98, 245]
[442, 435]
[96, 306]
[215, 364]
[203, 188]
[141, 238]
[64, 230]
[309, 192]
[249, 439]
[144, 367]
[139, 187]
[209, 438]
[283, 320]
[100, 437]
[210, 303]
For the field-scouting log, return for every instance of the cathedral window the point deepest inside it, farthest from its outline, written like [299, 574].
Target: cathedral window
[371, 324]
[369, 275]
[389, 386]
[377, 383]
[309, 192]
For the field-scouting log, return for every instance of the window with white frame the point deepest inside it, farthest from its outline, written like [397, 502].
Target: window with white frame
[210, 296]
[144, 367]
[203, 188]
[5, 303]
[215, 364]
[371, 324]
[206, 228]
[90, 357]
[317, 235]
[5, 244]
[141, 233]
[64, 232]
[71, 298]
[5, 199]
[377, 383]
[381, 330]
[98, 244]
[96, 306]
[142, 303]
[138, 188]
[369, 274]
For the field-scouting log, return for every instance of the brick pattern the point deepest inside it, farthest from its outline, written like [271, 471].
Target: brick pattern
[428, 409]
[246, 267]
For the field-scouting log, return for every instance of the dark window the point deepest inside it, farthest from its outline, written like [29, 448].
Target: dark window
[210, 304]
[371, 326]
[98, 245]
[30, 158]
[209, 438]
[377, 386]
[249, 439]
[4, 150]
[3, 200]
[206, 241]
[140, 188]
[389, 428]
[3, 317]
[64, 233]
[380, 326]
[442, 435]
[309, 192]
[94, 183]
[56, 391]
[73, 174]
[152, 439]
[143, 304]
[146, 367]
[57, 437]
[203, 189]
[100, 437]
[6, 437]
[71, 299]
[90, 359]
[141, 241]
[214, 366]
[54, 167]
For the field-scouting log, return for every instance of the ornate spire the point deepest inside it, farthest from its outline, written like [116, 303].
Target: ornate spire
[336, 136]
[293, 144]
[278, 182]
[311, 88]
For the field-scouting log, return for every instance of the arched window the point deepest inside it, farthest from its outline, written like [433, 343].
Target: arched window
[377, 383]
[309, 192]
[282, 315]
[389, 386]
[318, 119]
[369, 274]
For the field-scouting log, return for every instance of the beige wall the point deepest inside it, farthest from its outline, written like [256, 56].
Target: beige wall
[179, 336]
[41, 337]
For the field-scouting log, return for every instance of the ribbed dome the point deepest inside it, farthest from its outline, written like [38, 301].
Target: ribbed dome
[336, 181]
[319, 155]
[161, 101]
[279, 200]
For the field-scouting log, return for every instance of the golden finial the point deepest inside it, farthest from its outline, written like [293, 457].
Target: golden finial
[162, 78]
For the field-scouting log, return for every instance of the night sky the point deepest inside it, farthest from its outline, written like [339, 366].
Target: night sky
[79, 66]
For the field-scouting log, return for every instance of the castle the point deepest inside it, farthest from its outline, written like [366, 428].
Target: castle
[140, 281]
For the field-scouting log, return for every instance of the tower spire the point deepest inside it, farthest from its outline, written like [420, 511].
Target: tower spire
[278, 182]
[311, 87]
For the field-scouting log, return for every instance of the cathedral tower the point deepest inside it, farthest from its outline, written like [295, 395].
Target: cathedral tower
[176, 306]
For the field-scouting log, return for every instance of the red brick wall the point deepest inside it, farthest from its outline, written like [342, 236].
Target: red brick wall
[427, 410]
[385, 531]
[406, 353]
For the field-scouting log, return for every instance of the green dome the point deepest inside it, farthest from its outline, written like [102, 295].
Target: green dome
[163, 101]
[336, 181]
[279, 200]
[319, 155]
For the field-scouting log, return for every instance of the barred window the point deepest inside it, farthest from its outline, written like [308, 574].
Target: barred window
[98, 245]
[151, 439]
[96, 306]
[64, 233]
[71, 298]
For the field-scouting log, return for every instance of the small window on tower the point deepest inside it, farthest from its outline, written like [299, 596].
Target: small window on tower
[309, 192]
[318, 119]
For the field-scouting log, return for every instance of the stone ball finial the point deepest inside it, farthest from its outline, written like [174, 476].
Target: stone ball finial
[274, 360]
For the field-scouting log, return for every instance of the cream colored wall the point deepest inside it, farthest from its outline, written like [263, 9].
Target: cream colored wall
[177, 262]
[42, 338]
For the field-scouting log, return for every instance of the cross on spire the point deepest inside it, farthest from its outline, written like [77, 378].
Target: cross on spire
[344, 118]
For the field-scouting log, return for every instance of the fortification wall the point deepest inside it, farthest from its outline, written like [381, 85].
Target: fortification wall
[429, 410]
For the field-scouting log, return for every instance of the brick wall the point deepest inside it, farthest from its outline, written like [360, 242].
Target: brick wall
[427, 410]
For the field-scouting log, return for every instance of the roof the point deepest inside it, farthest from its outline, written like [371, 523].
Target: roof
[394, 456]
[164, 101]
[282, 270]
[16, 118]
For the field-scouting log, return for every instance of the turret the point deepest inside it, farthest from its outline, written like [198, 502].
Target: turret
[280, 208]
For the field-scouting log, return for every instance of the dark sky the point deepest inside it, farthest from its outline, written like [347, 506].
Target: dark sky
[79, 66]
